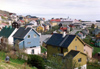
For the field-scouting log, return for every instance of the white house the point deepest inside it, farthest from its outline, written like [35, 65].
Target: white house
[33, 22]
[83, 26]
[7, 32]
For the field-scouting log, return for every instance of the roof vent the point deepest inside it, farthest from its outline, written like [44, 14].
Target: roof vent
[64, 34]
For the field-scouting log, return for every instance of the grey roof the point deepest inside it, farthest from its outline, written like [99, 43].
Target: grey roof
[44, 38]
[21, 32]
[60, 41]
[72, 54]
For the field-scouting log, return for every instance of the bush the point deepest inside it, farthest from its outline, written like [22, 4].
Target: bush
[37, 61]
[13, 56]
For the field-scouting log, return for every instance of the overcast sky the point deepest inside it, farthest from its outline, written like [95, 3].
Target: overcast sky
[75, 9]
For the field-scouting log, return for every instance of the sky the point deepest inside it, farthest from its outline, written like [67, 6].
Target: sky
[75, 9]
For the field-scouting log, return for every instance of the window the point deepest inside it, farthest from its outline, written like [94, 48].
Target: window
[28, 36]
[34, 35]
[32, 51]
[79, 60]
[58, 49]
[75, 47]
[28, 42]
[75, 39]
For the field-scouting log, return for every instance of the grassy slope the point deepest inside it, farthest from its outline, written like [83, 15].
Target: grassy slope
[14, 63]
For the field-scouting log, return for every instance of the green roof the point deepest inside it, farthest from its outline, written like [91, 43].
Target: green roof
[6, 32]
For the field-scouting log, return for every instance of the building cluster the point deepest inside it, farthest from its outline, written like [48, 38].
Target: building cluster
[26, 32]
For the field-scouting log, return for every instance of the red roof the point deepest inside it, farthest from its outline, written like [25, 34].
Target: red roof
[5, 15]
[21, 21]
[10, 13]
[3, 24]
[71, 26]
[57, 20]
[63, 28]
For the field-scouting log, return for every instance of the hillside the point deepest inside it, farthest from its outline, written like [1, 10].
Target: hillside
[14, 63]
[4, 12]
[4, 65]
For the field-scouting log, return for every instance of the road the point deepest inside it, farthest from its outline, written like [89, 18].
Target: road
[74, 31]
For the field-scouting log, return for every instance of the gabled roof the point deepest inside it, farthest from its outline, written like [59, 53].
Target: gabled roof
[21, 32]
[72, 54]
[59, 40]
[6, 31]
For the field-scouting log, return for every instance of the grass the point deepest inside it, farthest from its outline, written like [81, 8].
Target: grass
[14, 63]
[43, 49]
[3, 55]
[92, 67]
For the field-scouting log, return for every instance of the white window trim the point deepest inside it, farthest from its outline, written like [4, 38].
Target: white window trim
[35, 36]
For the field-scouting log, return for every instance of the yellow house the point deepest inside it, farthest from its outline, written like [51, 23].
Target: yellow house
[62, 45]
[79, 58]
[40, 29]
[53, 23]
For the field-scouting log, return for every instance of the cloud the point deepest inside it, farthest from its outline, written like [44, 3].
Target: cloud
[74, 8]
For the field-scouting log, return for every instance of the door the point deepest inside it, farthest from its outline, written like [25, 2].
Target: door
[61, 50]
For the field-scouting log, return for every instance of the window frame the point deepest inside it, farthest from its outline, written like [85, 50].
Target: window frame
[75, 47]
[79, 60]
[35, 36]
[28, 36]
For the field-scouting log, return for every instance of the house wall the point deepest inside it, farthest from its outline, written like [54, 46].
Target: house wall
[47, 27]
[55, 50]
[35, 41]
[21, 44]
[88, 50]
[10, 38]
[52, 50]
[54, 24]
[78, 43]
[83, 60]
[37, 50]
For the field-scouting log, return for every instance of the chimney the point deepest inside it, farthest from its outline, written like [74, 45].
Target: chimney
[64, 34]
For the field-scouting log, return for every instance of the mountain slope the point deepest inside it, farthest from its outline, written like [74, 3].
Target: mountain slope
[4, 12]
